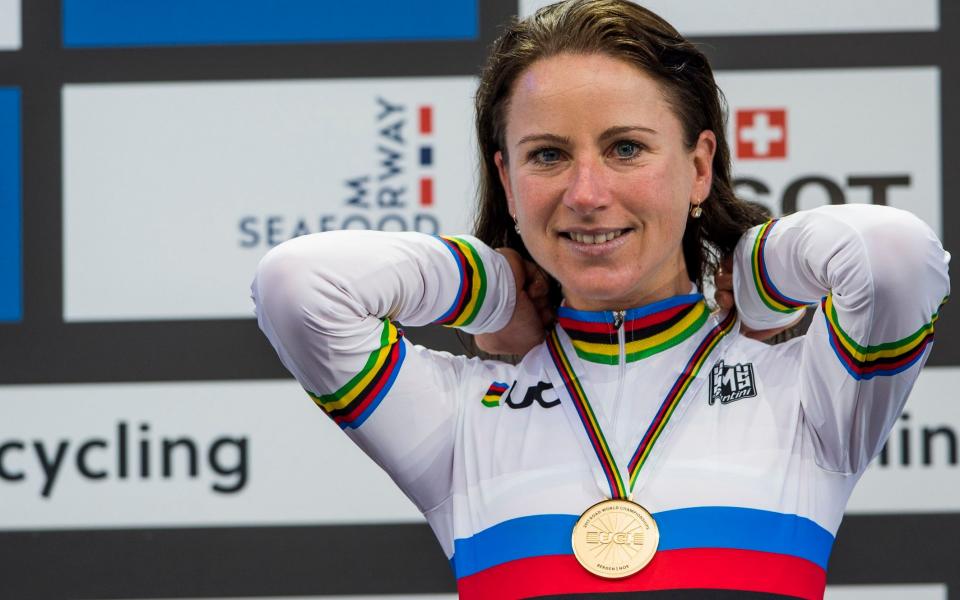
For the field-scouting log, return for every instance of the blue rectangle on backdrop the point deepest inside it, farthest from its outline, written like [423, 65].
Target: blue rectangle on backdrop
[11, 269]
[111, 23]
[426, 156]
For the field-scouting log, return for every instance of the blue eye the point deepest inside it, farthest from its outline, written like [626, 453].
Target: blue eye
[546, 155]
[626, 149]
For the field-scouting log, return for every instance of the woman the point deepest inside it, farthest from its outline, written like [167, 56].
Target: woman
[644, 444]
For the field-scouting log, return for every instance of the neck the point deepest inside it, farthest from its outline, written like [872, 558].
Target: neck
[676, 286]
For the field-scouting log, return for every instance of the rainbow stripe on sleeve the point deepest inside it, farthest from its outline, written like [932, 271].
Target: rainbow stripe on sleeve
[492, 397]
[867, 362]
[350, 405]
[772, 297]
[472, 286]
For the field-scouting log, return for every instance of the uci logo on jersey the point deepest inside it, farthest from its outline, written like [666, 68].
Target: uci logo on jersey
[731, 383]
[534, 394]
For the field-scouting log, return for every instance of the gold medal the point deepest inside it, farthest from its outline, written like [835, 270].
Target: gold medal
[615, 538]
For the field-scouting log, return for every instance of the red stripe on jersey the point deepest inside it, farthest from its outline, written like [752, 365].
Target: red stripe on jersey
[695, 568]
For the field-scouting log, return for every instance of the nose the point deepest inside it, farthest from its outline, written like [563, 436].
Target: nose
[588, 190]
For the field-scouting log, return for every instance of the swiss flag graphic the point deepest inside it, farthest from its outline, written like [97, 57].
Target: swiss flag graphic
[762, 133]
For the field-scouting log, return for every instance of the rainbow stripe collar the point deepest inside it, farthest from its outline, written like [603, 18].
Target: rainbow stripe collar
[647, 330]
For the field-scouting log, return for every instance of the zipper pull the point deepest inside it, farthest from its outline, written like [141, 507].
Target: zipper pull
[618, 316]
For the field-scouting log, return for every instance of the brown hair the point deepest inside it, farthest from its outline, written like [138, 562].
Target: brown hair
[623, 30]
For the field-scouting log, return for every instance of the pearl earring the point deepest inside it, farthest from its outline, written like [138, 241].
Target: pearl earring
[696, 211]
[516, 225]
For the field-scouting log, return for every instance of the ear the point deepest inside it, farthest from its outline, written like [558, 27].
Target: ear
[703, 165]
[505, 181]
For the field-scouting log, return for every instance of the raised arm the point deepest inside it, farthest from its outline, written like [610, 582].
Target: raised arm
[331, 305]
[878, 277]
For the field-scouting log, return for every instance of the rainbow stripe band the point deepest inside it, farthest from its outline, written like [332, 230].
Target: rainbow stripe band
[350, 405]
[772, 297]
[679, 388]
[647, 331]
[732, 527]
[492, 397]
[473, 283]
[867, 362]
[589, 419]
[592, 427]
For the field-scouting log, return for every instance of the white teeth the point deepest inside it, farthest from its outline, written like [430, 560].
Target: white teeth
[594, 239]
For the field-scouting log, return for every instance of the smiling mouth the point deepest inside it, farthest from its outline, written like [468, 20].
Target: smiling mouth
[594, 238]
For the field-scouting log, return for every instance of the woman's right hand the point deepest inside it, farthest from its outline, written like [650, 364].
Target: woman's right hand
[532, 314]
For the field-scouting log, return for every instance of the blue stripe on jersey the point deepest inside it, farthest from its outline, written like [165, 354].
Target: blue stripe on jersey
[744, 529]
[606, 316]
[119, 23]
[523, 537]
[699, 527]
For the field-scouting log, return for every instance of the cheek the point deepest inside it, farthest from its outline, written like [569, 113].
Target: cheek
[533, 201]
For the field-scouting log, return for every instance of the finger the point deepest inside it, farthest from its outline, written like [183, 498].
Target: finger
[547, 316]
[536, 281]
[540, 300]
[724, 299]
[485, 343]
[726, 264]
[724, 282]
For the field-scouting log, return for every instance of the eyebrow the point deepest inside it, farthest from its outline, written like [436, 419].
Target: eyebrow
[621, 129]
[544, 137]
[565, 141]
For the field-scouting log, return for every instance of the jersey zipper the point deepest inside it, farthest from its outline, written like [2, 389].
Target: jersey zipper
[618, 317]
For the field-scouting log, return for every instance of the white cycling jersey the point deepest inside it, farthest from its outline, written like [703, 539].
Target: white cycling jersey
[745, 453]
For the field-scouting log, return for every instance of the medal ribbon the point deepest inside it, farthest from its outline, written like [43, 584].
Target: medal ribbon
[591, 425]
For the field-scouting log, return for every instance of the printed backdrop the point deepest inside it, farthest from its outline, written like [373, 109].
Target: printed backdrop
[151, 445]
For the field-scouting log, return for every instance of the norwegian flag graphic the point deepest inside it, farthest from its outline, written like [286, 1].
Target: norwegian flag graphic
[426, 154]
[761, 133]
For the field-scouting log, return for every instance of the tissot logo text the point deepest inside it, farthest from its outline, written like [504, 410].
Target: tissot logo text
[808, 191]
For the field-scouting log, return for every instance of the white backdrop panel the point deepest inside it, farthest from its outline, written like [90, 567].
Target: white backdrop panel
[861, 132]
[298, 468]
[921, 473]
[266, 455]
[9, 24]
[745, 17]
[172, 192]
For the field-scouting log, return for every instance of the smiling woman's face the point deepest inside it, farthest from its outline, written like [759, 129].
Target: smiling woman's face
[600, 180]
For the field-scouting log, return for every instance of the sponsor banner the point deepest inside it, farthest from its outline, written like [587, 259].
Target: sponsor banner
[918, 470]
[173, 192]
[11, 294]
[260, 453]
[112, 23]
[9, 24]
[766, 17]
[182, 454]
[803, 138]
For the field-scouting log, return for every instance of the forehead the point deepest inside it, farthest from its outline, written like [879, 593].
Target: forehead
[582, 92]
